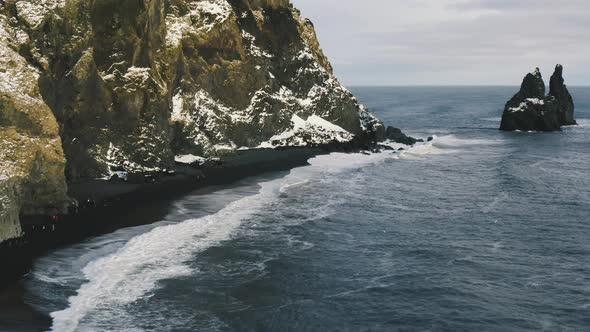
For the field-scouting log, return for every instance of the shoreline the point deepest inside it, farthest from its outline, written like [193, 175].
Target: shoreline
[114, 201]
[105, 199]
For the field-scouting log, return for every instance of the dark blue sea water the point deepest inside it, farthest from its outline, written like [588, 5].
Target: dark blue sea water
[479, 230]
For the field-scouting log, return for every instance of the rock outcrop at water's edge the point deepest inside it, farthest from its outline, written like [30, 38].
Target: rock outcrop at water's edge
[396, 135]
[92, 88]
[531, 110]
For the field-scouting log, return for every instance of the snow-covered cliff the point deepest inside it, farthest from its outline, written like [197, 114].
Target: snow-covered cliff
[133, 85]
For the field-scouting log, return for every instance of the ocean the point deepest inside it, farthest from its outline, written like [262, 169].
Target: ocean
[477, 230]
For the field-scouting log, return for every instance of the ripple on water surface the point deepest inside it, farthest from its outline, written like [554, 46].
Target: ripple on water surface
[477, 230]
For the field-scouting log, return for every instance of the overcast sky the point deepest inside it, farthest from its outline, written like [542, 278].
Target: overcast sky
[452, 42]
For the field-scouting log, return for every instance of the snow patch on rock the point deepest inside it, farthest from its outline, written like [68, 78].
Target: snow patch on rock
[190, 159]
[204, 16]
[252, 48]
[524, 105]
[211, 13]
[177, 106]
[313, 131]
[117, 160]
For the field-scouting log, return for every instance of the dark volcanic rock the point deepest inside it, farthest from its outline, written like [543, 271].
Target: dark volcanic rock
[385, 147]
[529, 109]
[559, 90]
[396, 135]
[532, 86]
[532, 115]
[92, 88]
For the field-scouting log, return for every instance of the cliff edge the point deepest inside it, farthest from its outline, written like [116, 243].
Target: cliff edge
[91, 88]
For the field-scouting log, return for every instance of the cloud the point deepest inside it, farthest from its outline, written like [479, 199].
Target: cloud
[381, 42]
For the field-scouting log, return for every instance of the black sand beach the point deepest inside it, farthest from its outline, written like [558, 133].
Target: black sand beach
[108, 205]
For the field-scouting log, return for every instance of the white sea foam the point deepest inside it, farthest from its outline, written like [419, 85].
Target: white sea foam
[446, 144]
[293, 185]
[134, 271]
[452, 141]
[495, 120]
[582, 123]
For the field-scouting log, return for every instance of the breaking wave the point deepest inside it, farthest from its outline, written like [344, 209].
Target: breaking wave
[446, 144]
[582, 123]
[134, 270]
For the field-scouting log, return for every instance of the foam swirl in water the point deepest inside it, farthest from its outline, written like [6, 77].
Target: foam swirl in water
[133, 272]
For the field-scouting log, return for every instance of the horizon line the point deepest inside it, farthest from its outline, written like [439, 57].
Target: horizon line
[445, 85]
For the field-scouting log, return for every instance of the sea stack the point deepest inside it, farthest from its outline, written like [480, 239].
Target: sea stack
[531, 110]
[558, 89]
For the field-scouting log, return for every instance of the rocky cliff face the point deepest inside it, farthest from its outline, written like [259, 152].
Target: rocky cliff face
[131, 85]
[31, 156]
[531, 110]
